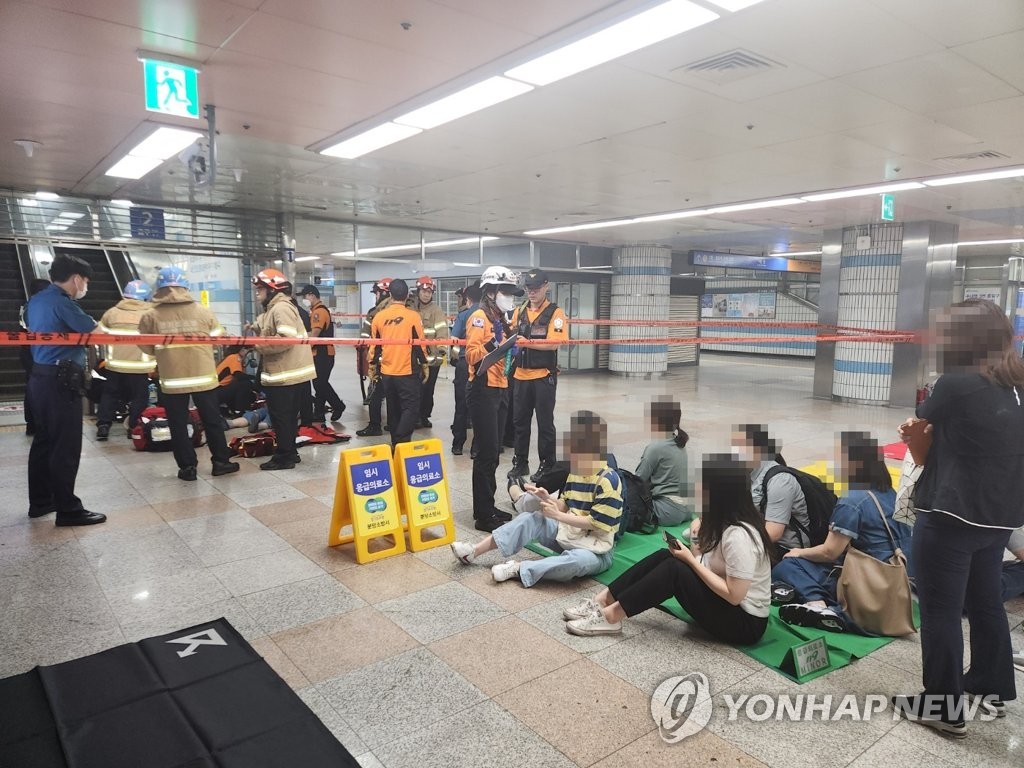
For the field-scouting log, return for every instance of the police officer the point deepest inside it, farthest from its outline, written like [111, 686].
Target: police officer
[187, 371]
[487, 328]
[55, 395]
[287, 368]
[375, 400]
[402, 368]
[435, 326]
[322, 326]
[127, 367]
[469, 302]
[536, 374]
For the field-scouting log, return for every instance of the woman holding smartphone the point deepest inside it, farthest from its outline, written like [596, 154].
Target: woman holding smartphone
[723, 580]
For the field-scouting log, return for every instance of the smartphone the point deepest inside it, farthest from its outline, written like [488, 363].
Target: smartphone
[672, 541]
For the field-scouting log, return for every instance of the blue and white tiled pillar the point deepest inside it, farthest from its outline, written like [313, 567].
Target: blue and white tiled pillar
[640, 294]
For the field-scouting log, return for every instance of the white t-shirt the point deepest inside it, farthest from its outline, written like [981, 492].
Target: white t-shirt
[741, 555]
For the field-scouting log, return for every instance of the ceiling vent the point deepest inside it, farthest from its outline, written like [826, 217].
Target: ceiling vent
[730, 66]
[957, 162]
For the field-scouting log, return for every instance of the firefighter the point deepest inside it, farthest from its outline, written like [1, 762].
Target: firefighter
[186, 370]
[382, 293]
[536, 375]
[127, 367]
[287, 368]
[401, 368]
[322, 326]
[435, 326]
[486, 328]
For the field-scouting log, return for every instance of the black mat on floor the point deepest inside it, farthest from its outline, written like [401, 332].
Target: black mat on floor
[197, 698]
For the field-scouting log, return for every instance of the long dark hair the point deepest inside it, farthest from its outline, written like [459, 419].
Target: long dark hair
[871, 471]
[976, 331]
[666, 416]
[726, 489]
[488, 294]
[765, 444]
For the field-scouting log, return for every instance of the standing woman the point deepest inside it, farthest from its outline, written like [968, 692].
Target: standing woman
[969, 498]
[486, 329]
[663, 465]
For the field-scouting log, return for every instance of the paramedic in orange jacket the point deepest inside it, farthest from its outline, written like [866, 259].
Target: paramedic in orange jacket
[402, 367]
[486, 328]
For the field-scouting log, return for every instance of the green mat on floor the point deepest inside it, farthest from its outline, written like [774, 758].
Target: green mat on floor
[778, 639]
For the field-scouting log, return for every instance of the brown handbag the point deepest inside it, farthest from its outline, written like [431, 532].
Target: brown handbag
[876, 594]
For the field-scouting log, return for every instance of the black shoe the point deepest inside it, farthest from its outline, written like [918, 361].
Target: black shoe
[296, 458]
[187, 473]
[370, 430]
[515, 481]
[278, 463]
[424, 423]
[456, 449]
[987, 705]
[29, 431]
[81, 517]
[224, 468]
[489, 524]
[102, 432]
[501, 515]
[909, 708]
[817, 618]
[543, 469]
[520, 467]
[336, 412]
[387, 427]
[34, 512]
[472, 453]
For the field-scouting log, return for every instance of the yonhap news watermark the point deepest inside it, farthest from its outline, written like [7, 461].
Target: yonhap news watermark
[683, 705]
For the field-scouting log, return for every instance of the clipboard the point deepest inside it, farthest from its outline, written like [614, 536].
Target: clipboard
[495, 355]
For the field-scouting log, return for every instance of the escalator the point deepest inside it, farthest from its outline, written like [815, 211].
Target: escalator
[12, 296]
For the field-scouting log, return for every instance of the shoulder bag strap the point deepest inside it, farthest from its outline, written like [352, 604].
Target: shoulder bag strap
[885, 522]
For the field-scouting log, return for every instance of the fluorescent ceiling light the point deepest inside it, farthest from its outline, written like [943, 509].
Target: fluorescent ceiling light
[414, 246]
[278, 261]
[670, 216]
[28, 202]
[129, 167]
[307, 258]
[756, 205]
[119, 239]
[858, 191]
[57, 226]
[734, 5]
[1008, 241]
[349, 257]
[796, 253]
[122, 203]
[47, 196]
[368, 141]
[152, 151]
[466, 264]
[581, 227]
[966, 178]
[646, 28]
[492, 91]
[603, 266]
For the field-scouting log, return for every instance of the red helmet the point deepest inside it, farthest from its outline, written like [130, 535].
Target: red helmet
[425, 281]
[382, 286]
[272, 279]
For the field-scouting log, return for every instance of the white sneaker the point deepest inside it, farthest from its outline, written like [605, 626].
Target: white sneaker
[505, 571]
[581, 610]
[594, 624]
[463, 552]
[1018, 660]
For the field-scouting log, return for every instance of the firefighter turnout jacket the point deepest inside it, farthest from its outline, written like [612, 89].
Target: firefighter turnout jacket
[183, 367]
[435, 326]
[398, 323]
[283, 364]
[122, 319]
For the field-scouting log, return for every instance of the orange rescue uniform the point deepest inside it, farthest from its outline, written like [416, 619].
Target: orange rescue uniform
[480, 334]
[397, 322]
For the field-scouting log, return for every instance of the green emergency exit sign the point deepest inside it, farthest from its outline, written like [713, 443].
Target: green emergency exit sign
[171, 89]
[888, 207]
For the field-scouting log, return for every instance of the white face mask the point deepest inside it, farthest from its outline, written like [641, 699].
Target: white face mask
[307, 303]
[81, 294]
[505, 302]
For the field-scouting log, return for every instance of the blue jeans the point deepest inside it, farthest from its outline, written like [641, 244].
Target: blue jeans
[570, 564]
[1013, 580]
[958, 569]
[815, 581]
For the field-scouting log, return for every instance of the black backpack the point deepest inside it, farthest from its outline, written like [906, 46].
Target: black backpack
[821, 501]
[637, 505]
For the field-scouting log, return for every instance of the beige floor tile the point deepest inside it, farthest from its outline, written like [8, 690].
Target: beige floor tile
[280, 663]
[702, 749]
[582, 710]
[138, 517]
[514, 597]
[304, 531]
[390, 578]
[290, 511]
[317, 486]
[205, 505]
[334, 646]
[503, 654]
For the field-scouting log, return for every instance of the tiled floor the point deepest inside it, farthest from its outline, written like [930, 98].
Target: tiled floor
[417, 660]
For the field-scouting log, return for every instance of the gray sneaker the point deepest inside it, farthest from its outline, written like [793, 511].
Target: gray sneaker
[581, 610]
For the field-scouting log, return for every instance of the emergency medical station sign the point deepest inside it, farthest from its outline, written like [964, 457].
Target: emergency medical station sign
[373, 491]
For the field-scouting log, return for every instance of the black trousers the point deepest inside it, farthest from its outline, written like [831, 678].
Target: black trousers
[487, 408]
[57, 444]
[660, 576]
[238, 395]
[958, 568]
[376, 404]
[324, 393]
[25, 356]
[284, 404]
[460, 422]
[536, 396]
[508, 428]
[305, 404]
[403, 396]
[427, 392]
[176, 407]
[130, 388]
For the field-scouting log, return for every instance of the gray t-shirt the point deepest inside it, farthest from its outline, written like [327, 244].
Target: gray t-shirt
[741, 555]
[1016, 541]
[785, 500]
[663, 465]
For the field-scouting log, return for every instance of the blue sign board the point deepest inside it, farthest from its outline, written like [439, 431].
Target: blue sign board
[423, 471]
[738, 260]
[371, 478]
[147, 223]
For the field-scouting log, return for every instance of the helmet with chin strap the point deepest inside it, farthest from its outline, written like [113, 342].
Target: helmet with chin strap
[503, 278]
[425, 281]
[272, 280]
[382, 286]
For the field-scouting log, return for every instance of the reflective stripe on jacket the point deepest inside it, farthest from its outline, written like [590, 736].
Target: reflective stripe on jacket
[435, 326]
[123, 320]
[183, 367]
[284, 364]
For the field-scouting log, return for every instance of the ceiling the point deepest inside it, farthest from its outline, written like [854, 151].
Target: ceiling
[850, 92]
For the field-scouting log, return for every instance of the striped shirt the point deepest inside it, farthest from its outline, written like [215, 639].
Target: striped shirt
[598, 497]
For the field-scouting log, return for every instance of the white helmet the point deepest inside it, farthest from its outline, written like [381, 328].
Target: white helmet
[501, 276]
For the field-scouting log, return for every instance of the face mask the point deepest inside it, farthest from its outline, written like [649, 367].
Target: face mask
[505, 302]
[307, 303]
[81, 294]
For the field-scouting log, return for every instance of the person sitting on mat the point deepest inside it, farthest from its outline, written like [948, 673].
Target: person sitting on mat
[857, 522]
[663, 465]
[723, 580]
[580, 525]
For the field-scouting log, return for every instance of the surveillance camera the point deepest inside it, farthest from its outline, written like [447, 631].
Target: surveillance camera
[193, 150]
